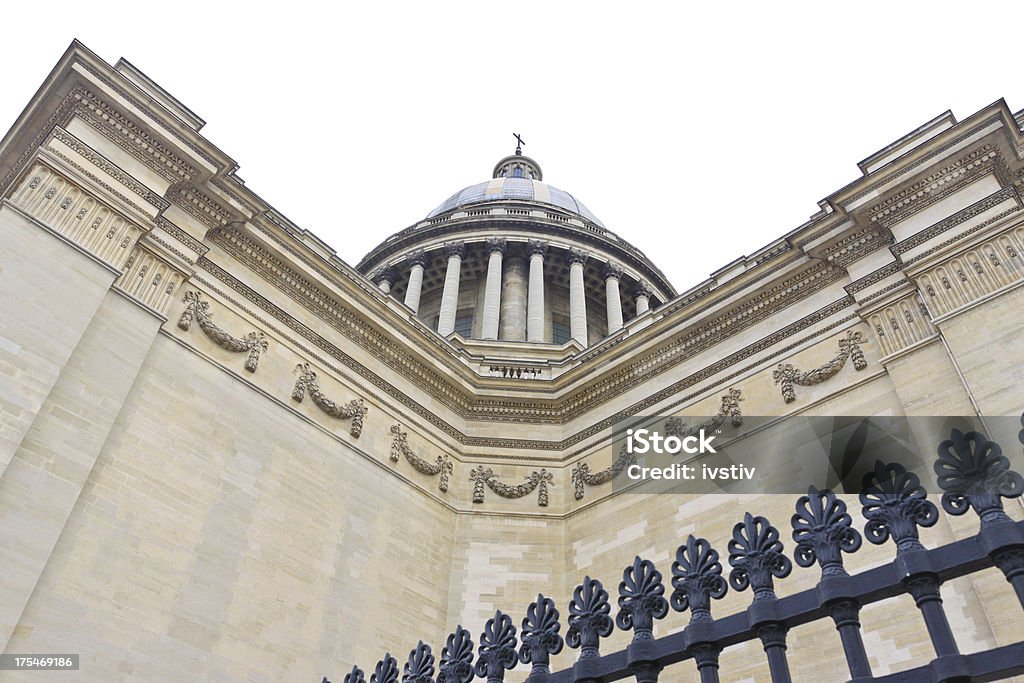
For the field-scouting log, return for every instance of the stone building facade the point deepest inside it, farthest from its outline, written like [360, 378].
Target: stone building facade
[226, 454]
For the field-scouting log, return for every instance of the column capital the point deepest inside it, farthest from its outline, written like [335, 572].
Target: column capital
[536, 247]
[385, 274]
[611, 270]
[642, 289]
[417, 257]
[496, 244]
[576, 256]
[455, 249]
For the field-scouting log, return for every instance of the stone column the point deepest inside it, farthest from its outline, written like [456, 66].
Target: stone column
[492, 290]
[577, 297]
[386, 277]
[456, 251]
[642, 294]
[513, 299]
[535, 297]
[418, 261]
[612, 275]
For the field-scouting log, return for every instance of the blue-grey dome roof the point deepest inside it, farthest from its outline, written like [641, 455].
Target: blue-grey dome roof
[521, 189]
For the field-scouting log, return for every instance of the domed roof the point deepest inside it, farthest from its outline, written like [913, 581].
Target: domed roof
[521, 189]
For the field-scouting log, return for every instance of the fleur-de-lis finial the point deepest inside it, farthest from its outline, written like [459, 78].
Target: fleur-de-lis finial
[539, 635]
[894, 504]
[589, 619]
[355, 676]
[823, 532]
[641, 599]
[497, 651]
[697, 579]
[456, 658]
[755, 554]
[386, 670]
[420, 667]
[973, 472]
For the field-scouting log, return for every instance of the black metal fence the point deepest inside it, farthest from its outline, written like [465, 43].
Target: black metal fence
[973, 474]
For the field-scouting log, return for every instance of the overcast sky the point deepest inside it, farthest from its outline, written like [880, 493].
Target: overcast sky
[697, 132]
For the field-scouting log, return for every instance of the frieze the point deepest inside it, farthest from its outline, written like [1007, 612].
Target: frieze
[922, 194]
[307, 383]
[58, 202]
[849, 348]
[400, 448]
[149, 280]
[537, 480]
[976, 209]
[132, 138]
[200, 205]
[531, 411]
[925, 159]
[107, 166]
[973, 274]
[196, 309]
[901, 324]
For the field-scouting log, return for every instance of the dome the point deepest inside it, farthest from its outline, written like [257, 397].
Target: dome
[522, 189]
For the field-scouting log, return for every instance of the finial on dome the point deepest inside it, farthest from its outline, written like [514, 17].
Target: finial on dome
[518, 166]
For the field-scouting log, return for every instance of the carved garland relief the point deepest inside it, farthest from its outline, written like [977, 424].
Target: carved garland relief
[307, 383]
[849, 347]
[199, 310]
[400, 447]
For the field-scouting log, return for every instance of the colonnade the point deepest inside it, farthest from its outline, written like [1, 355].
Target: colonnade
[503, 296]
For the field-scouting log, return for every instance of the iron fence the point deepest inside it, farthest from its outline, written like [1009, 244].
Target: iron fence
[973, 474]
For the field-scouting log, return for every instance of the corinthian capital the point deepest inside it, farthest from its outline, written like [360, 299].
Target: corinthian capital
[455, 249]
[495, 244]
[417, 258]
[576, 256]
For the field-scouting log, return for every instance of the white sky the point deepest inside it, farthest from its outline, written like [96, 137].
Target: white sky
[697, 132]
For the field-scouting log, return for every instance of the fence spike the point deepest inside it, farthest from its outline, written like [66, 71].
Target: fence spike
[973, 472]
[456, 658]
[497, 650]
[539, 636]
[894, 504]
[589, 619]
[823, 532]
[756, 555]
[697, 578]
[420, 667]
[356, 675]
[386, 670]
[641, 599]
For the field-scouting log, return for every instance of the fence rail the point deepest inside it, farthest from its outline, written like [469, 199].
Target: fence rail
[973, 475]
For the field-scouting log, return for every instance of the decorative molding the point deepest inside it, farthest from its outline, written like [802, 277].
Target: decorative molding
[149, 280]
[902, 204]
[200, 205]
[962, 216]
[254, 343]
[960, 281]
[307, 383]
[400, 447]
[107, 166]
[582, 476]
[58, 202]
[131, 137]
[901, 324]
[536, 480]
[637, 371]
[849, 347]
